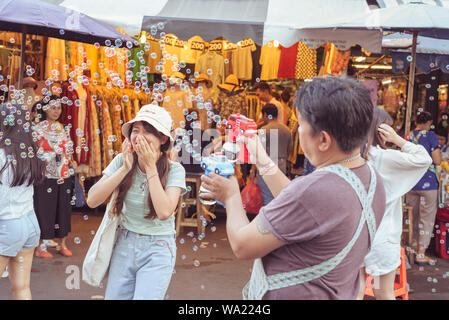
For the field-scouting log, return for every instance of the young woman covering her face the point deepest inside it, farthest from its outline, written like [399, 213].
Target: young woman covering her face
[148, 188]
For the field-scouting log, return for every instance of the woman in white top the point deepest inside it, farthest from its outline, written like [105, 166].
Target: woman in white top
[20, 169]
[400, 171]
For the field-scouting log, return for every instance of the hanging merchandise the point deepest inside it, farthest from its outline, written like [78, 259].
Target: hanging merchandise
[269, 59]
[203, 101]
[154, 58]
[371, 85]
[231, 98]
[193, 49]
[177, 98]
[329, 54]
[242, 59]
[257, 68]
[390, 99]
[172, 53]
[306, 66]
[76, 117]
[340, 63]
[212, 64]
[228, 54]
[287, 62]
[55, 63]
[138, 60]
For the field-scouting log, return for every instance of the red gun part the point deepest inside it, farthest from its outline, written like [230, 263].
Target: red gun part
[239, 125]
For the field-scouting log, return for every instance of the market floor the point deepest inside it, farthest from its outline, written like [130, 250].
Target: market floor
[205, 270]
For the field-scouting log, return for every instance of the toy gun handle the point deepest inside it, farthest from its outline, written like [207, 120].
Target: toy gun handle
[244, 154]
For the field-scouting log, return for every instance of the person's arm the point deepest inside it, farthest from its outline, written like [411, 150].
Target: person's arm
[436, 156]
[274, 178]
[100, 191]
[400, 170]
[248, 240]
[164, 201]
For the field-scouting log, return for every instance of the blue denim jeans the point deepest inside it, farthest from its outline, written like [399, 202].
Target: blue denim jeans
[141, 266]
[267, 196]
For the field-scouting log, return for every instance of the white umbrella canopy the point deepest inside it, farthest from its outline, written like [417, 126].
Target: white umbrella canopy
[287, 21]
[403, 42]
[414, 17]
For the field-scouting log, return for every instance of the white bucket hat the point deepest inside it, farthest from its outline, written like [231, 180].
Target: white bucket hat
[158, 117]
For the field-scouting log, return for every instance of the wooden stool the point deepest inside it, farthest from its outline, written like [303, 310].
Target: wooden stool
[407, 231]
[196, 220]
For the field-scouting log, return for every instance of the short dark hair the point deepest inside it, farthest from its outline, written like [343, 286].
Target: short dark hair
[16, 140]
[341, 106]
[423, 117]
[263, 86]
[380, 116]
[285, 95]
[270, 110]
[38, 106]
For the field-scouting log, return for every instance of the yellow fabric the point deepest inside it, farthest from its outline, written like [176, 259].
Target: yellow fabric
[76, 56]
[172, 54]
[94, 143]
[92, 59]
[192, 50]
[175, 101]
[305, 62]
[269, 60]
[154, 56]
[242, 60]
[108, 150]
[55, 60]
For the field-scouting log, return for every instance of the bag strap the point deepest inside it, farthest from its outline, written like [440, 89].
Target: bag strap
[287, 279]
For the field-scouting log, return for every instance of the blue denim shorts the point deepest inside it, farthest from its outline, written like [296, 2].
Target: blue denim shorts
[19, 234]
[141, 266]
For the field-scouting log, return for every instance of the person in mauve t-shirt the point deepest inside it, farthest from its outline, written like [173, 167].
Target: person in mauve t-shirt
[312, 218]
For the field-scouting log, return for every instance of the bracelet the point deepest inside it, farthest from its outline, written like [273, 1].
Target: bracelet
[266, 168]
[151, 176]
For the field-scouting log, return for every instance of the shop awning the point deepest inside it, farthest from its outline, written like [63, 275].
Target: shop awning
[403, 42]
[287, 21]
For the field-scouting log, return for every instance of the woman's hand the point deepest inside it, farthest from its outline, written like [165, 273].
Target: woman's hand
[256, 150]
[148, 155]
[128, 158]
[220, 188]
[387, 134]
[73, 164]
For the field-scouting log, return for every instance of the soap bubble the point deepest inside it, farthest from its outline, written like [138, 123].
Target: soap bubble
[77, 240]
[196, 263]
[409, 58]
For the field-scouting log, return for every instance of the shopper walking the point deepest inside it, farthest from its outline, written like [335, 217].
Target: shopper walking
[20, 169]
[52, 198]
[310, 241]
[149, 186]
[400, 171]
[424, 196]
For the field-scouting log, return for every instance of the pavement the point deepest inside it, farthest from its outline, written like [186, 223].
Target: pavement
[205, 269]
